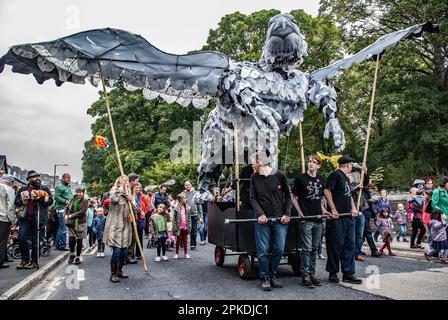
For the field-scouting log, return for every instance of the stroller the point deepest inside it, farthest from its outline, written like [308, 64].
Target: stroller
[14, 249]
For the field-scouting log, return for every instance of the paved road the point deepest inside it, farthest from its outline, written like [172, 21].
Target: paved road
[407, 276]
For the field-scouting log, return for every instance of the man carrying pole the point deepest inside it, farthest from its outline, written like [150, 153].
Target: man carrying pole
[340, 232]
[307, 199]
[270, 197]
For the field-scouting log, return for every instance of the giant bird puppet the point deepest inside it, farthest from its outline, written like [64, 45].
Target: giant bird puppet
[267, 97]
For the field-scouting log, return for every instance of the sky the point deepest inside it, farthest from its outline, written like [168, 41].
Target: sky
[43, 125]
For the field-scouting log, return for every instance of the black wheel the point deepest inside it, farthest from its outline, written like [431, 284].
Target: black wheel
[245, 267]
[294, 261]
[219, 256]
[16, 252]
[45, 251]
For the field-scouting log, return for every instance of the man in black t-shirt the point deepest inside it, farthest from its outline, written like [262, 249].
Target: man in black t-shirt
[340, 233]
[307, 199]
[270, 197]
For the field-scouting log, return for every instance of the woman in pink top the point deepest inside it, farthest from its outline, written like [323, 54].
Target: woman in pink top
[182, 223]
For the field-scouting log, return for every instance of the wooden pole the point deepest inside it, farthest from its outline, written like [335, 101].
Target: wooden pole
[237, 167]
[302, 154]
[120, 166]
[369, 126]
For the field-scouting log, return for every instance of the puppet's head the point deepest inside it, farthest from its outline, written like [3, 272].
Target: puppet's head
[285, 46]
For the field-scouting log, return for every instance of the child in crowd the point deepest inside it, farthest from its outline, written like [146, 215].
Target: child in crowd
[438, 235]
[402, 221]
[426, 215]
[159, 229]
[90, 216]
[98, 228]
[385, 227]
[382, 203]
[182, 224]
[415, 215]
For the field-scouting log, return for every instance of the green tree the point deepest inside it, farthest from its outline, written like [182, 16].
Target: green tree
[410, 119]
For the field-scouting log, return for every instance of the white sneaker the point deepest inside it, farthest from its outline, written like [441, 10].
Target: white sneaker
[187, 256]
[321, 256]
[165, 258]
[102, 254]
[157, 259]
[176, 256]
[98, 255]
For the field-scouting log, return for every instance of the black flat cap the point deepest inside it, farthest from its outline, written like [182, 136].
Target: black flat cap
[345, 159]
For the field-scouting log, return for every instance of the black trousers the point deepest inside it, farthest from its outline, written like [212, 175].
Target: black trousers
[4, 235]
[368, 235]
[417, 225]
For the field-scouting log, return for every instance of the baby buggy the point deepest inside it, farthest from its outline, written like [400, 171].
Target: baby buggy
[14, 249]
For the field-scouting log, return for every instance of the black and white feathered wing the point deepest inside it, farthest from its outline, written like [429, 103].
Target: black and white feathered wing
[191, 78]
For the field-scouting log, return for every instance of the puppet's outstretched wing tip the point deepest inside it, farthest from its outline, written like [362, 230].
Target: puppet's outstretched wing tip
[377, 48]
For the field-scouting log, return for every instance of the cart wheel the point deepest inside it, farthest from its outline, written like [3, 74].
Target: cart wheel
[219, 256]
[16, 252]
[294, 261]
[245, 268]
[45, 251]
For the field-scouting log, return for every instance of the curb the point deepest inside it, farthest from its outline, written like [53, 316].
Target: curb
[27, 283]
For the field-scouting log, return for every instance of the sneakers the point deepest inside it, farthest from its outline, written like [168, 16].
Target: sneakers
[31, 265]
[306, 281]
[202, 243]
[193, 248]
[321, 256]
[157, 259]
[71, 259]
[315, 282]
[333, 277]
[187, 256]
[165, 258]
[350, 278]
[398, 239]
[266, 285]
[22, 265]
[276, 284]
[77, 260]
[376, 254]
[176, 256]
[405, 240]
[98, 255]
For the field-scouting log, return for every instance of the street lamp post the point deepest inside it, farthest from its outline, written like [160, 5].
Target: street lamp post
[54, 173]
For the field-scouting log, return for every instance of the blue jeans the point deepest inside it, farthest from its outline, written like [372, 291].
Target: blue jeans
[340, 238]
[319, 246]
[61, 236]
[403, 231]
[28, 228]
[118, 254]
[204, 227]
[359, 233]
[311, 233]
[263, 234]
[194, 231]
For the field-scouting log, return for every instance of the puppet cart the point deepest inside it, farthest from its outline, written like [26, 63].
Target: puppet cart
[239, 238]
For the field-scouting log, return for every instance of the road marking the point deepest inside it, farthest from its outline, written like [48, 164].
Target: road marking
[83, 298]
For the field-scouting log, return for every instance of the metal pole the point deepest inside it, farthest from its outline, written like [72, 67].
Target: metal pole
[369, 126]
[237, 168]
[277, 219]
[120, 166]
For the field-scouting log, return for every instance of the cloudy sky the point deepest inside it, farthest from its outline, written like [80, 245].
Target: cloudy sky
[42, 125]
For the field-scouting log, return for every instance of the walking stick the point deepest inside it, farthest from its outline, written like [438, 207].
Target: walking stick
[369, 125]
[120, 166]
